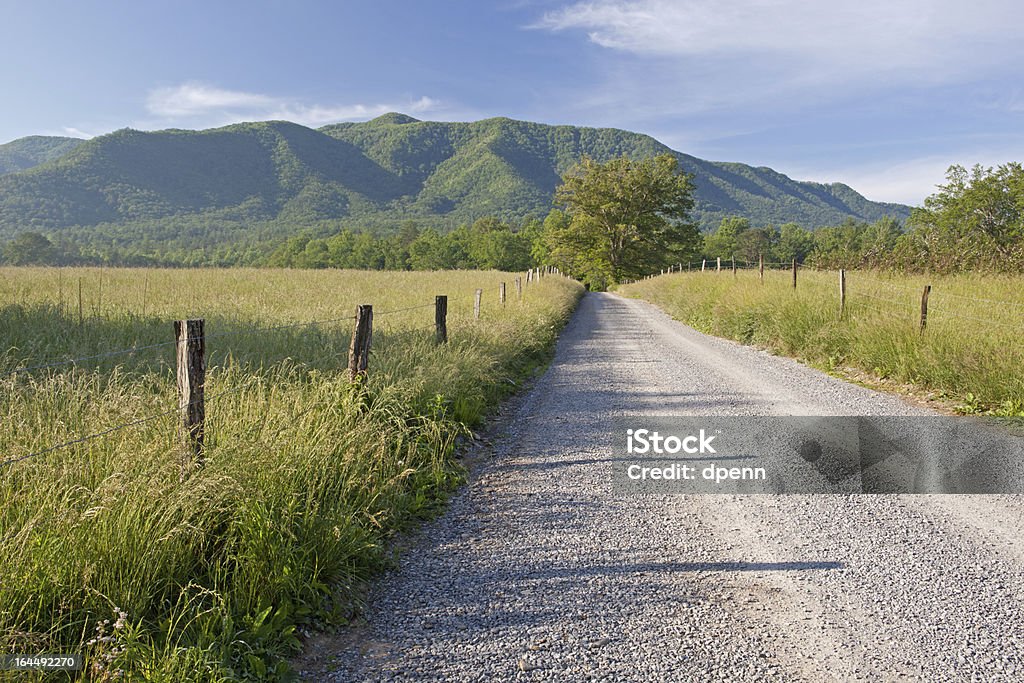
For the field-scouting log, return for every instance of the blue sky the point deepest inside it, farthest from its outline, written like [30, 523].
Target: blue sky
[880, 94]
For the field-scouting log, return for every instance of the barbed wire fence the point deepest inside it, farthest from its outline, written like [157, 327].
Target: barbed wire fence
[190, 345]
[917, 306]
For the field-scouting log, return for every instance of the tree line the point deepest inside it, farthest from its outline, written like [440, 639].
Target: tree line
[626, 218]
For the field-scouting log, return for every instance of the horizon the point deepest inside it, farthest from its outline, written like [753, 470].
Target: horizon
[880, 98]
[418, 120]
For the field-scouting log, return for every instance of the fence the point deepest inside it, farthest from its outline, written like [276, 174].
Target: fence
[921, 300]
[190, 342]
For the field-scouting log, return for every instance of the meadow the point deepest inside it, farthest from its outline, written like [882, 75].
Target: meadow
[104, 551]
[970, 354]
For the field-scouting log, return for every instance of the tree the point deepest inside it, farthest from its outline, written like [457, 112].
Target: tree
[722, 243]
[795, 242]
[30, 249]
[975, 220]
[756, 242]
[629, 217]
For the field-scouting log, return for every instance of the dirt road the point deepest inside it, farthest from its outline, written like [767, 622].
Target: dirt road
[538, 572]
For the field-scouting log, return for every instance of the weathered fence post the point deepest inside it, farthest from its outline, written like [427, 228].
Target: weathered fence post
[718, 264]
[501, 293]
[842, 292]
[191, 355]
[760, 267]
[441, 319]
[734, 265]
[529, 276]
[476, 303]
[519, 287]
[794, 273]
[359, 349]
[703, 264]
[924, 306]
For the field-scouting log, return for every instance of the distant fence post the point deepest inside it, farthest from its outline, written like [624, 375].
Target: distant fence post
[529, 276]
[501, 293]
[842, 292]
[703, 264]
[734, 265]
[359, 349]
[476, 303]
[924, 306]
[519, 287]
[718, 264]
[191, 355]
[441, 319]
[794, 273]
[760, 267]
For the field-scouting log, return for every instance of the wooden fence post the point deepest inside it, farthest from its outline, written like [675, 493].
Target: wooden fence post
[501, 293]
[476, 303]
[519, 287]
[359, 349]
[529, 276]
[718, 264]
[794, 273]
[441, 319]
[703, 264]
[842, 292]
[924, 306]
[734, 265]
[191, 355]
[760, 267]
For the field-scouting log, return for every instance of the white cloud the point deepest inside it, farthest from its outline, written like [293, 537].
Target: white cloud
[905, 182]
[191, 99]
[203, 104]
[841, 40]
[72, 132]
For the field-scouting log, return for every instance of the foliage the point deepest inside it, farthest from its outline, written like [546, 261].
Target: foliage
[626, 217]
[307, 476]
[218, 196]
[975, 220]
[24, 153]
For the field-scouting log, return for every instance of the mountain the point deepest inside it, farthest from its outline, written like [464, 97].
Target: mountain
[25, 153]
[270, 179]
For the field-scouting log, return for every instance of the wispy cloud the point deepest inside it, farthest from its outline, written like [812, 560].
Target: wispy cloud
[845, 39]
[71, 132]
[906, 182]
[197, 103]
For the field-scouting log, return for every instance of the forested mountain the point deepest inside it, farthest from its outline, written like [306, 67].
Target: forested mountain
[258, 181]
[24, 153]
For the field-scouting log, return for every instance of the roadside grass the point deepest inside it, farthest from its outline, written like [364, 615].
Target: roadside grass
[971, 352]
[103, 550]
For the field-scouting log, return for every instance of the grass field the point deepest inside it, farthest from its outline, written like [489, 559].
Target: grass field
[971, 352]
[104, 552]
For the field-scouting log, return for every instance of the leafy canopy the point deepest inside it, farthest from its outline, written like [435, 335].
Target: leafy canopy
[627, 217]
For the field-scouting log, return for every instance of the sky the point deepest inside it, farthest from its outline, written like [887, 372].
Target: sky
[883, 95]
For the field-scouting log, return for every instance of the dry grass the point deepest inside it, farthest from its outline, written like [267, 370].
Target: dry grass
[306, 478]
[970, 353]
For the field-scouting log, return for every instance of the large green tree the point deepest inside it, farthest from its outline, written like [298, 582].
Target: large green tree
[975, 220]
[628, 217]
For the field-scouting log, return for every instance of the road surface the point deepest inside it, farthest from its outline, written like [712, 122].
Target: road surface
[537, 572]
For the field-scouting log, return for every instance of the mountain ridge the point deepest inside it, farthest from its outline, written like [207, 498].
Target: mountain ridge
[276, 177]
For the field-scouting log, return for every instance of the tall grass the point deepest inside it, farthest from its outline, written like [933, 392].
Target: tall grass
[971, 352]
[104, 551]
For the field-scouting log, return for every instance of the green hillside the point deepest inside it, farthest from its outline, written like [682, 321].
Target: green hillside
[25, 153]
[258, 181]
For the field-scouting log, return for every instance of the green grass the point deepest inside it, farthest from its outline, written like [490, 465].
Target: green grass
[104, 551]
[970, 352]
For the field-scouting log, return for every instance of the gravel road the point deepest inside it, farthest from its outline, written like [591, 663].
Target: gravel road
[538, 573]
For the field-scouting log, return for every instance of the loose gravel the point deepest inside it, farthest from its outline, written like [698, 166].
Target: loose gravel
[538, 573]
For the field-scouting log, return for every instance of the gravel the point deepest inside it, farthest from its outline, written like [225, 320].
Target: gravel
[538, 573]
